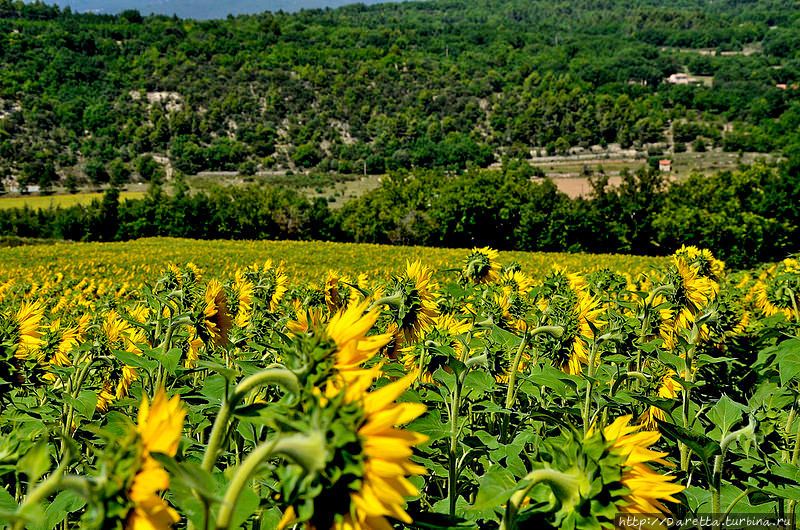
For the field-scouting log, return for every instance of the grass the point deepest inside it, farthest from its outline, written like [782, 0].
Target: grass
[43, 202]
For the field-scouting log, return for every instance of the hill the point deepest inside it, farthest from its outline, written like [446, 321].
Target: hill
[370, 89]
[202, 9]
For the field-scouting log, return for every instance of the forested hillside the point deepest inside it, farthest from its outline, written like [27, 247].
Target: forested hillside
[201, 9]
[441, 84]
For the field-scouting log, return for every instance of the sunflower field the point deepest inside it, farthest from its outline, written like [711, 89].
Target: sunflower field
[471, 390]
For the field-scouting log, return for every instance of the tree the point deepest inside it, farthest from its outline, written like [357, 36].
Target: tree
[120, 172]
[96, 172]
[305, 155]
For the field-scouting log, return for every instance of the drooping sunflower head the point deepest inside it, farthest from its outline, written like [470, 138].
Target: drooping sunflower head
[216, 322]
[438, 342]
[703, 261]
[159, 429]
[133, 478]
[186, 277]
[349, 329]
[364, 479]
[481, 266]
[666, 388]
[777, 288]
[692, 290]
[306, 318]
[579, 314]
[411, 301]
[29, 331]
[242, 299]
[333, 299]
[606, 474]
[516, 282]
[648, 490]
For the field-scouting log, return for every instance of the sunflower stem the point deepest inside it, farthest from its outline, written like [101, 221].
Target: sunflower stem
[716, 480]
[512, 378]
[452, 457]
[307, 450]
[564, 487]
[395, 301]
[789, 421]
[689, 376]
[57, 480]
[275, 374]
[164, 349]
[73, 390]
[794, 305]
[589, 387]
[796, 450]
[556, 331]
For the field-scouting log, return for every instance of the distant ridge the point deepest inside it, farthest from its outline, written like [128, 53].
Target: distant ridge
[202, 9]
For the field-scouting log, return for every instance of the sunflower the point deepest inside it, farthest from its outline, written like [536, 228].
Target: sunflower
[193, 346]
[159, 428]
[595, 479]
[648, 489]
[348, 329]
[332, 298]
[307, 318]
[121, 335]
[704, 262]
[777, 288]
[579, 314]
[480, 266]
[28, 319]
[243, 290]
[70, 338]
[694, 291]
[412, 301]
[217, 322]
[443, 332]
[376, 485]
[5, 287]
[667, 389]
[516, 282]
[271, 283]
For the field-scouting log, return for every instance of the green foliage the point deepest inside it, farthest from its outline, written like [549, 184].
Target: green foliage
[390, 85]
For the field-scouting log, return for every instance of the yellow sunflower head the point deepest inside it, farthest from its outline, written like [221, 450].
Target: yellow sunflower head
[364, 481]
[437, 344]
[159, 431]
[608, 473]
[571, 307]
[216, 321]
[28, 320]
[481, 266]
[243, 292]
[411, 301]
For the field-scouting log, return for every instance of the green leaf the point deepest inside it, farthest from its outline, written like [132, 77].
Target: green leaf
[85, 404]
[477, 383]
[432, 425]
[136, 361]
[214, 388]
[36, 461]
[245, 507]
[171, 359]
[188, 474]
[704, 447]
[7, 502]
[788, 359]
[66, 502]
[495, 488]
[228, 373]
[725, 414]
